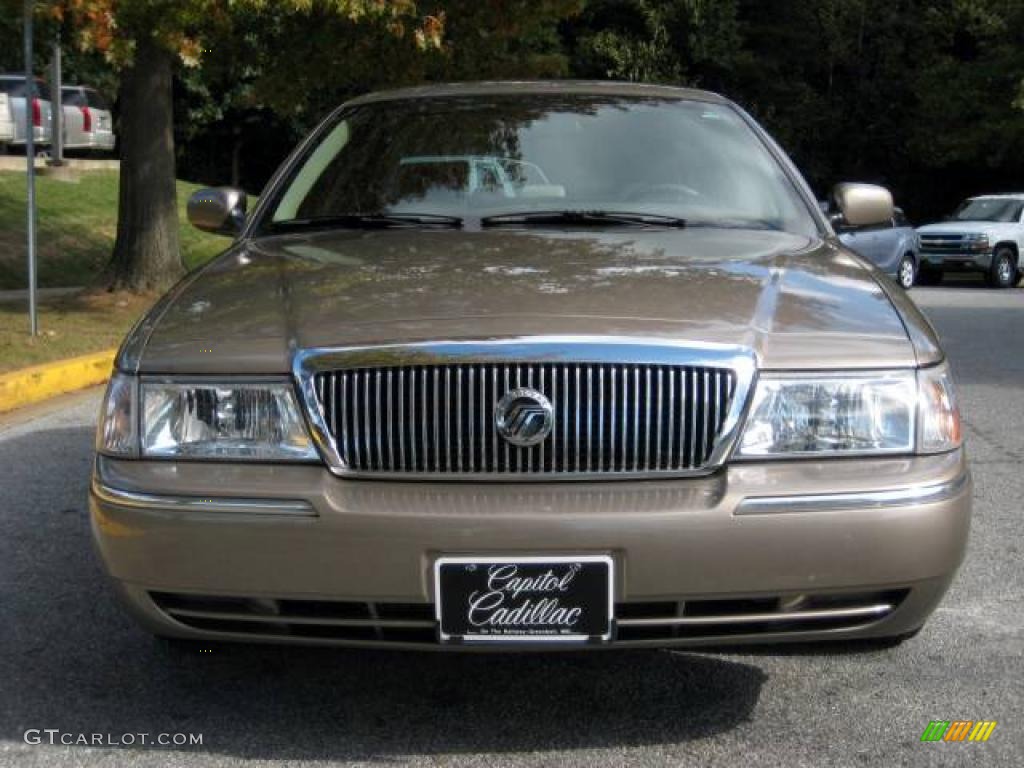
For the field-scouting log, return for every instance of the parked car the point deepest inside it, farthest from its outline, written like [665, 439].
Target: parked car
[985, 234]
[17, 93]
[88, 123]
[891, 246]
[6, 121]
[654, 402]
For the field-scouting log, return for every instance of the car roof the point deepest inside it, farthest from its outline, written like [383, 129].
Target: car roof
[511, 87]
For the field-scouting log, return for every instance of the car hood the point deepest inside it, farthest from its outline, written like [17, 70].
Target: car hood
[796, 302]
[966, 227]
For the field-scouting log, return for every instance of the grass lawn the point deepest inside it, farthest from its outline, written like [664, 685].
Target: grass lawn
[69, 326]
[77, 224]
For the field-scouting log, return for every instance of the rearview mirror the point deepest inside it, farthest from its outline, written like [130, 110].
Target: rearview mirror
[862, 205]
[220, 210]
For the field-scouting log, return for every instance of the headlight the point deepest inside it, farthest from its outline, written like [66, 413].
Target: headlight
[116, 433]
[226, 421]
[244, 421]
[939, 414]
[832, 414]
[896, 412]
[976, 242]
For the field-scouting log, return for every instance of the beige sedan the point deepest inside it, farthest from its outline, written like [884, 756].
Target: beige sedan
[641, 396]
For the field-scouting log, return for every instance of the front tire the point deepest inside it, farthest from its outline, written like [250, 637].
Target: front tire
[906, 272]
[1003, 272]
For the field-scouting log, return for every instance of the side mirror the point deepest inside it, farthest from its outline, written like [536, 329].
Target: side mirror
[862, 205]
[220, 210]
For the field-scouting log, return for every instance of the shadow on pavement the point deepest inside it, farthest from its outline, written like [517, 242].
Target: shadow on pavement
[73, 660]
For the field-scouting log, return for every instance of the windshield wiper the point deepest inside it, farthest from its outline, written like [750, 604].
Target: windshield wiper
[757, 224]
[595, 217]
[376, 220]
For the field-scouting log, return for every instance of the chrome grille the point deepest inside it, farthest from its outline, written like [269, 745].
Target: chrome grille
[942, 243]
[608, 418]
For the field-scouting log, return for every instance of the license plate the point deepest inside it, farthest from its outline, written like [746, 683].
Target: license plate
[524, 599]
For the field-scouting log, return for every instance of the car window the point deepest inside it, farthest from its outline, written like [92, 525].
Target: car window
[73, 97]
[97, 100]
[12, 86]
[488, 155]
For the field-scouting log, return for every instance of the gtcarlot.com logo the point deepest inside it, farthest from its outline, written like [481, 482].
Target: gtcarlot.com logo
[958, 730]
[55, 736]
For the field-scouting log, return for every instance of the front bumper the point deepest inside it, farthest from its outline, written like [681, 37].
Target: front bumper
[755, 553]
[968, 261]
[40, 137]
[98, 140]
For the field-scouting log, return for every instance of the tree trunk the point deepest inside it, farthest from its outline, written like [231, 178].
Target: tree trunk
[146, 253]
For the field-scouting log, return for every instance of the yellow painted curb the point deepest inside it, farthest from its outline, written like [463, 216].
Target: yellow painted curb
[30, 385]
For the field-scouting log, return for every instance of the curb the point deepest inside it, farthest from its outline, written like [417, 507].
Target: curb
[41, 382]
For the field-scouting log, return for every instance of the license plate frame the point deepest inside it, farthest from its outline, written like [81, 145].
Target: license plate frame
[591, 569]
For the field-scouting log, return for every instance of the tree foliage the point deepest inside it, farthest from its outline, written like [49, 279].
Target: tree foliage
[923, 95]
[142, 39]
[926, 96]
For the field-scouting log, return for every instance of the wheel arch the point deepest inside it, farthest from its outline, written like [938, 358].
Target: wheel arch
[1008, 244]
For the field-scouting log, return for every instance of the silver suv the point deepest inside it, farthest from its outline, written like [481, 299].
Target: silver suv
[16, 95]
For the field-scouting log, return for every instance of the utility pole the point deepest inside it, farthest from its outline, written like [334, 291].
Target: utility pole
[30, 170]
[57, 111]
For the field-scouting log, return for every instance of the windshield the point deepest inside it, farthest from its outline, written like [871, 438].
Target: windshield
[989, 209]
[485, 156]
[15, 86]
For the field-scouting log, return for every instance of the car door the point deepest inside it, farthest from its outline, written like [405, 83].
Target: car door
[908, 242]
[861, 240]
[888, 246]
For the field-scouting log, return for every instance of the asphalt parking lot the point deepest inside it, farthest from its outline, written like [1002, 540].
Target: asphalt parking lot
[70, 659]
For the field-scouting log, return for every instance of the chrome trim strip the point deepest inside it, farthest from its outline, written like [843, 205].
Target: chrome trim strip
[152, 501]
[271, 618]
[564, 350]
[880, 609]
[832, 502]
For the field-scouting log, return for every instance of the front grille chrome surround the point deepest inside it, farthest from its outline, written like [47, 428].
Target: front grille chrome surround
[624, 407]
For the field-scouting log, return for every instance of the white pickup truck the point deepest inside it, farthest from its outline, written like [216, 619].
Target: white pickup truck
[985, 234]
